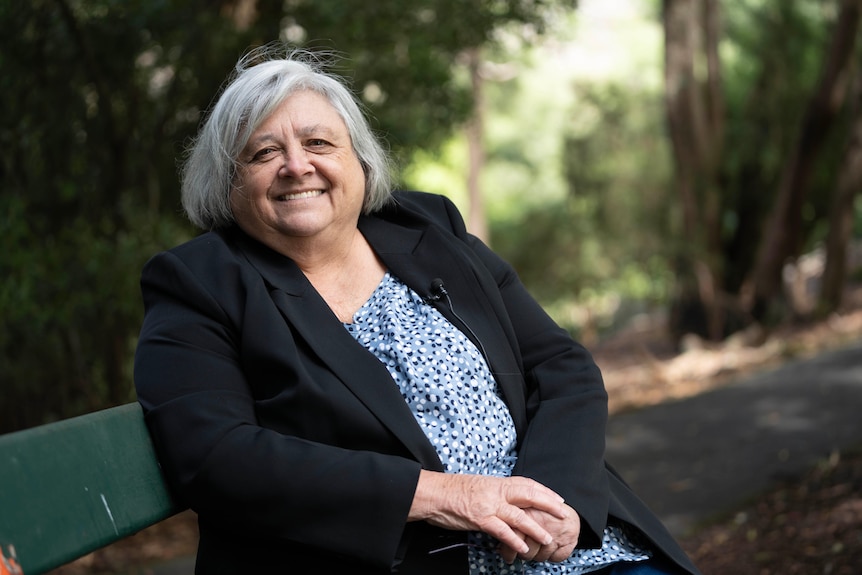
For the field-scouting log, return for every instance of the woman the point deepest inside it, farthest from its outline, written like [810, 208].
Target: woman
[340, 379]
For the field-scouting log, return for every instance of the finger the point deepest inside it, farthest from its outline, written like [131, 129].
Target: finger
[520, 521]
[561, 554]
[508, 554]
[512, 527]
[544, 552]
[534, 551]
[502, 532]
[525, 492]
[565, 533]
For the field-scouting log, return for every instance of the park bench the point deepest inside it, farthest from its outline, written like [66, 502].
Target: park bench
[71, 487]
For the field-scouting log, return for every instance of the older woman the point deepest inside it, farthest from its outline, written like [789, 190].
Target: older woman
[340, 379]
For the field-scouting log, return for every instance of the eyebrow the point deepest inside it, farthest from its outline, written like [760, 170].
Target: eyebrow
[257, 140]
[314, 129]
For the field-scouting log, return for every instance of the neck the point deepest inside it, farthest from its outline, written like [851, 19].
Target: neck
[344, 277]
[328, 259]
[315, 254]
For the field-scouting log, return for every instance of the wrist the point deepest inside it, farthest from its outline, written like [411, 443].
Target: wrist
[426, 486]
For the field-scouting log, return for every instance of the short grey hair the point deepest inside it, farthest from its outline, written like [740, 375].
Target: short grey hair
[260, 82]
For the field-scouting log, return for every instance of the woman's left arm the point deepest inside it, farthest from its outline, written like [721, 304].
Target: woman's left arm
[567, 405]
[564, 444]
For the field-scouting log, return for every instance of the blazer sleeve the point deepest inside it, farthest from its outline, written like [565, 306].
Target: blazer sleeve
[567, 408]
[200, 410]
[564, 444]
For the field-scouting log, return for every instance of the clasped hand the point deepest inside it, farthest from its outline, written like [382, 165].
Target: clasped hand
[529, 520]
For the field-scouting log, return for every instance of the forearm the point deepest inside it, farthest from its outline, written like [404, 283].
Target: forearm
[258, 482]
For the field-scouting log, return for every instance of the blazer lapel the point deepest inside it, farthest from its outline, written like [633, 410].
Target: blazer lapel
[358, 369]
[418, 257]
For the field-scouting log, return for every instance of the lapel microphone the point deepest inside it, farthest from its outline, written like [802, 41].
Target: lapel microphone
[439, 292]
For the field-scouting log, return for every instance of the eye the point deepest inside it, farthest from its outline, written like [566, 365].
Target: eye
[263, 153]
[317, 143]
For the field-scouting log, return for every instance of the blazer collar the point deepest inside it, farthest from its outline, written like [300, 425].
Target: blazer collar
[416, 255]
[278, 271]
[361, 372]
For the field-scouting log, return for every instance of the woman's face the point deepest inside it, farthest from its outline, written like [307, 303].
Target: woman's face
[299, 177]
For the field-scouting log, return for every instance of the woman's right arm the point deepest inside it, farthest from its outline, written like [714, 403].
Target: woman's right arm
[200, 410]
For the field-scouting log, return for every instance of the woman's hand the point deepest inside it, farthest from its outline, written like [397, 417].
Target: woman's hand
[565, 532]
[503, 507]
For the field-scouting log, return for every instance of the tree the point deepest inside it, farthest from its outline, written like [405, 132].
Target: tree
[695, 114]
[783, 238]
[737, 165]
[401, 55]
[847, 188]
[475, 133]
[100, 98]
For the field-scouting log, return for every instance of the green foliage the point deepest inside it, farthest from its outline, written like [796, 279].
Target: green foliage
[607, 235]
[771, 57]
[401, 55]
[100, 98]
[576, 182]
[579, 185]
[69, 306]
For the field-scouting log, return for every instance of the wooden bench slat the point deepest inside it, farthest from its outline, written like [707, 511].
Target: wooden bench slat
[71, 487]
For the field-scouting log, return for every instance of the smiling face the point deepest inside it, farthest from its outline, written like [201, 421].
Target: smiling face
[299, 178]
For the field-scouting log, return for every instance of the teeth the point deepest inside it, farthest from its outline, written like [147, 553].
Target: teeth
[300, 195]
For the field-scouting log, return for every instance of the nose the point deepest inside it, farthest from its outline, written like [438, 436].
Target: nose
[296, 163]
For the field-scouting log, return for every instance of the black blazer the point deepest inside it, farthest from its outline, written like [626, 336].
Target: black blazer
[291, 441]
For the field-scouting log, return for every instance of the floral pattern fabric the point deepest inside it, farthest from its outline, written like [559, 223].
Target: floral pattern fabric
[449, 388]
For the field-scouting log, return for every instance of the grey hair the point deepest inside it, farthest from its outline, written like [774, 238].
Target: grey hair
[261, 81]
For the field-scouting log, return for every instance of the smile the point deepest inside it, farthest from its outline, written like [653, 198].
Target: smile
[300, 195]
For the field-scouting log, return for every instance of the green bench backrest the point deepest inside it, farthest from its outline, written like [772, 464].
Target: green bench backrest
[71, 487]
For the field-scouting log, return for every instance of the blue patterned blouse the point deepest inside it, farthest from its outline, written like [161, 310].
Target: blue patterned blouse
[453, 396]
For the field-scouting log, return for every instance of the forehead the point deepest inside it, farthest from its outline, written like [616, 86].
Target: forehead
[303, 111]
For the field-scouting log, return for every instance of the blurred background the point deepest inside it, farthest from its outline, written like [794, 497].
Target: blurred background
[692, 164]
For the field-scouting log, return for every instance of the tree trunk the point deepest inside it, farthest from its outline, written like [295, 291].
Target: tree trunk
[476, 219]
[695, 117]
[783, 238]
[841, 211]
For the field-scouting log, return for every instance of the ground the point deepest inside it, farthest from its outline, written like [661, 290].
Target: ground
[810, 525]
